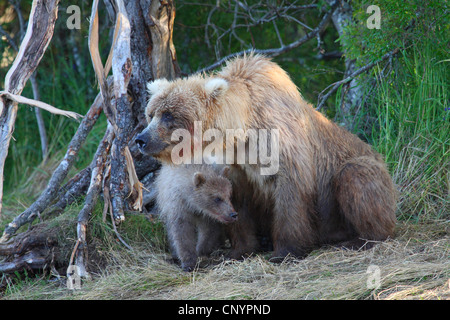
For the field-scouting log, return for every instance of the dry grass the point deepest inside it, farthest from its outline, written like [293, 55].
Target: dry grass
[416, 265]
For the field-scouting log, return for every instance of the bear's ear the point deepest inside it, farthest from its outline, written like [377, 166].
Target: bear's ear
[216, 87]
[225, 171]
[199, 179]
[157, 85]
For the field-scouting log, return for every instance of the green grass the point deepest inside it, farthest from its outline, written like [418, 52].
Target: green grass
[413, 133]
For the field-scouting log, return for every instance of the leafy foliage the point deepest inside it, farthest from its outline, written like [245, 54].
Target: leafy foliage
[404, 24]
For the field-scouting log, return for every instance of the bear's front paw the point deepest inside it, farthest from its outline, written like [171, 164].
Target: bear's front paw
[188, 268]
[238, 255]
[189, 265]
[286, 253]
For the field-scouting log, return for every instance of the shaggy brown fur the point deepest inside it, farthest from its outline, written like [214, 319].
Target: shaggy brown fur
[194, 202]
[331, 187]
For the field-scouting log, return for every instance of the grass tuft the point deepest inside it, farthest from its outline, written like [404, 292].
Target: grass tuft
[413, 132]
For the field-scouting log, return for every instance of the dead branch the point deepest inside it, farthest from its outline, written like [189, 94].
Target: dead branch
[118, 111]
[38, 104]
[273, 52]
[92, 195]
[247, 16]
[34, 85]
[334, 86]
[38, 35]
[59, 174]
[39, 119]
[29, 250]
[121, 163]
[73, 189]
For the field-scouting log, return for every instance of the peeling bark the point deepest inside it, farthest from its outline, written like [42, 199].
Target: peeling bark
[32, 250]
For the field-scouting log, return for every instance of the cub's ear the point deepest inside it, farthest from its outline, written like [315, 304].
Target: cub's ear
[199, 179]
[216, 87]
[157, 85]
[225, 171]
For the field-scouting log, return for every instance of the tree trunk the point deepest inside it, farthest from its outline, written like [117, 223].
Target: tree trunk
[352, 92]
[153, 55]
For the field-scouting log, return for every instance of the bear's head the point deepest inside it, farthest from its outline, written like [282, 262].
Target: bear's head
[176, 105]
[212, 196]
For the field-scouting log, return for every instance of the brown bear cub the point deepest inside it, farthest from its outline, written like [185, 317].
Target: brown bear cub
[329, 187]
[194, 202]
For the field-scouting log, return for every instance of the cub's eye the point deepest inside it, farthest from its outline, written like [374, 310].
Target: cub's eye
[167, 116]
[218, 200]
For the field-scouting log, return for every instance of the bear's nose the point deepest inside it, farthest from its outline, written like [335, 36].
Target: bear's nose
[233, 215]
[141, 143]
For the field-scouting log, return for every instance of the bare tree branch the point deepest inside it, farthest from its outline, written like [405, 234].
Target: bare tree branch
[245, 16]
[59, 174]
[34, 85]
[39, 119]
[39, 33]
[282, 49]
[334, 86]
[38, 104]
[93, 192]
[10, 40]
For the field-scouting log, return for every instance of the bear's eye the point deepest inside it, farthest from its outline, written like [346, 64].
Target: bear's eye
[218, 200]
[167, 116]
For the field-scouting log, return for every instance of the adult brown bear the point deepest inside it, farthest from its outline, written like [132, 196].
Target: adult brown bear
[330, 186]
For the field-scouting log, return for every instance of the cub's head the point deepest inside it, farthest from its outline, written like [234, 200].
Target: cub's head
[175, 105]
[212, 195]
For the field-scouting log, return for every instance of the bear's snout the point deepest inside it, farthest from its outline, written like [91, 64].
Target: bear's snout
[149, 143]
[141, 141]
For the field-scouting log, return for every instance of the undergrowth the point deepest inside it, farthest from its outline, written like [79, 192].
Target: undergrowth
[413, 133]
